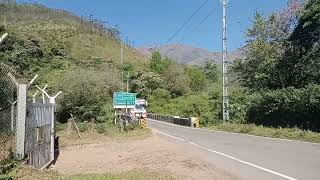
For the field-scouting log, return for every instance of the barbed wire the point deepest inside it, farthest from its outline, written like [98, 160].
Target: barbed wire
[7, 113]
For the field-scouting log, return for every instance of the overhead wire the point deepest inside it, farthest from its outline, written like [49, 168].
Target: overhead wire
[195, 27]
[198, 25]
[187, 21]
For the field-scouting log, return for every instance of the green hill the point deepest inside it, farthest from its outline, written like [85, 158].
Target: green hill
[61, 38]
[67, 52]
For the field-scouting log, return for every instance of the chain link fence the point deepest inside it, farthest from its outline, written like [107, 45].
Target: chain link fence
[7, 114]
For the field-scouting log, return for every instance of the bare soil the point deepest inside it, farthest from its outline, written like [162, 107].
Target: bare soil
[151, 154]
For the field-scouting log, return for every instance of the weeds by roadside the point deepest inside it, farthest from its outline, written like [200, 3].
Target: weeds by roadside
[99, 133]
[283, 133]
[24, 172]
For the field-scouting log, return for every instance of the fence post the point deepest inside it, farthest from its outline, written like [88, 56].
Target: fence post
[21, 119]
[52, 137]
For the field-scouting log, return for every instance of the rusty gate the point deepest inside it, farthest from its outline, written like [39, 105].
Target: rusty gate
[39, 122]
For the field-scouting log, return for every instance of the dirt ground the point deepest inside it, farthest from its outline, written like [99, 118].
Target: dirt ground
[152, 154]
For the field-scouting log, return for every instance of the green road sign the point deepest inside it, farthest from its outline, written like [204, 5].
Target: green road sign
[123, 100]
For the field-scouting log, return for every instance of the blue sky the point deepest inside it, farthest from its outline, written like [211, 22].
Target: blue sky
[149, 22]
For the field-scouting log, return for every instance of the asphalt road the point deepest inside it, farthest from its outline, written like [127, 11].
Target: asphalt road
[248, 157]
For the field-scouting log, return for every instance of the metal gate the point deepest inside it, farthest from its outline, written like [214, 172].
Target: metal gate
[38, 134]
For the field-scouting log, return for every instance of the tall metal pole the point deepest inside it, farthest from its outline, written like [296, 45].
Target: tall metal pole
[121, 59]
[224, 64]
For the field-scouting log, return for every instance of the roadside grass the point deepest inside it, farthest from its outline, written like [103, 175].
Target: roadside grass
[283, 133]
[130, 175]
[100, 133]
[23, 172]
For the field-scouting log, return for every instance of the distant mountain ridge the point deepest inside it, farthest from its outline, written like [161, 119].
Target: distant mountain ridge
[188, 54]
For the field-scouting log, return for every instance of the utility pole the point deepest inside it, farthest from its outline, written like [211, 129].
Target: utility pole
[224, 64]
[121, 59]
[128, 76]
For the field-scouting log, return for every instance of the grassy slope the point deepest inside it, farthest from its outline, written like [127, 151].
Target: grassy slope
[54, 28]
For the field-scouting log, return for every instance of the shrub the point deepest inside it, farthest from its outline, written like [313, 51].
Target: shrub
[288, 107]
[84, 126]
[103, 128]
[106, 114]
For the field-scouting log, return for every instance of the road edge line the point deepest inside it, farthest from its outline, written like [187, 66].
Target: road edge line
[230, 157]
[169, 135]
[234, 133]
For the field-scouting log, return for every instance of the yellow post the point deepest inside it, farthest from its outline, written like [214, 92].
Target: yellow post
[143, 121]
[197, 122]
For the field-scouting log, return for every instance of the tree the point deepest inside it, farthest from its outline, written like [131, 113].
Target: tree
[158, 63]
[261, 55]
[211, 70]
[176, 80]
[197, 78]
[146, 82]
[266, 45]
[300, 63]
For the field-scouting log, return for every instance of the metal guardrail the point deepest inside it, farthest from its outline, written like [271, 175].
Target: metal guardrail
[172, 119]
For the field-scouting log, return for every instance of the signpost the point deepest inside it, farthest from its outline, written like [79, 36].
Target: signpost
[122, 100]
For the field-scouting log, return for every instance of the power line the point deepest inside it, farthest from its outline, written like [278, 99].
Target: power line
[195, 27]
[187, 21]
[201, 22]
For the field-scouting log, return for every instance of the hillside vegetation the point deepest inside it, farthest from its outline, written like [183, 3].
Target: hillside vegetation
[275, 84]
[80, 56]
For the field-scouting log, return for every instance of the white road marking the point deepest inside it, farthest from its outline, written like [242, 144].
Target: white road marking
[233, 133]
[169, 135]
[230, 157]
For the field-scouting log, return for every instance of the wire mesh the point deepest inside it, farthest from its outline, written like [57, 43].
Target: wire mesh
[7, 114]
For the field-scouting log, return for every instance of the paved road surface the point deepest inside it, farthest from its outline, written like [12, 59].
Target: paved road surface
[248, 157]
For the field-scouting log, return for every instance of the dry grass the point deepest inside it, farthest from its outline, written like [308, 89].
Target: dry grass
[27, 173]
[92, 137]
[7, 146]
